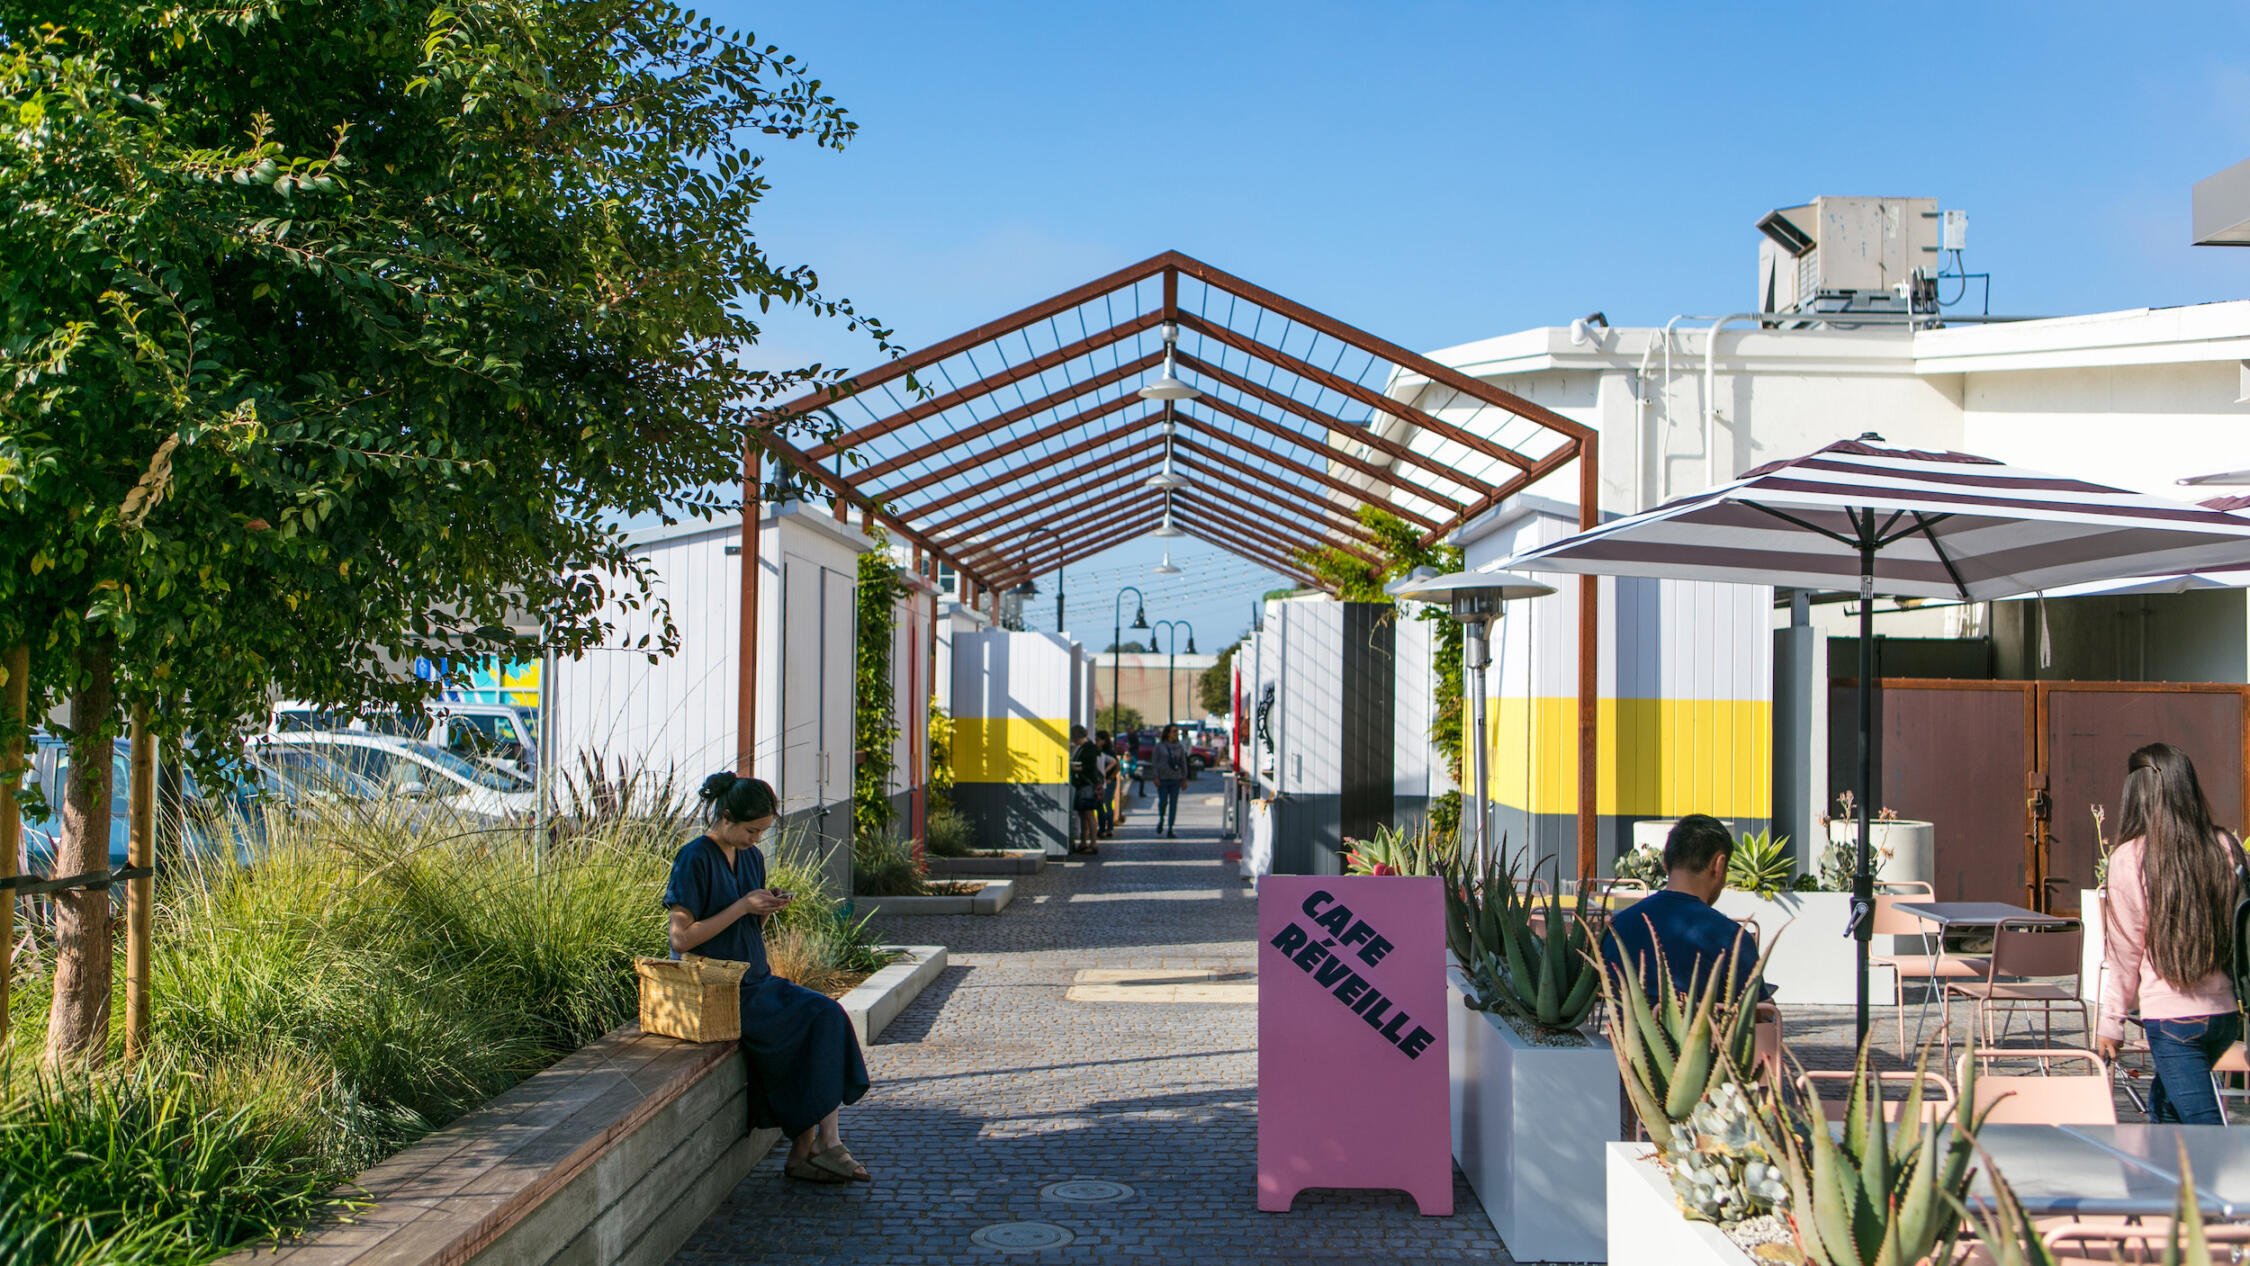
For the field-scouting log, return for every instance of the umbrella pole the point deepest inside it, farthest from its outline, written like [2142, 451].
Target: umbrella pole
[1863, 878]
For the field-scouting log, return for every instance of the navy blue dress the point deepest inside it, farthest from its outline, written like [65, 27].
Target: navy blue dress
[804, 1058]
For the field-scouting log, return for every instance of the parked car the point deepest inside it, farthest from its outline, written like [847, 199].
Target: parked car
[497, 734]
[413, 769]
[252, 788]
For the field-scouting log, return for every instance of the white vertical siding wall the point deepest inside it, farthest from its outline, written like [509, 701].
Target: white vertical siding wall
[1310, 711]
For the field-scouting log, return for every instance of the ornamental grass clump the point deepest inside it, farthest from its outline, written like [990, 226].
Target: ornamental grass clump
[375, 972]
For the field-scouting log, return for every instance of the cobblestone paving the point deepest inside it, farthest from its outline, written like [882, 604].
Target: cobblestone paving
[992, 1086]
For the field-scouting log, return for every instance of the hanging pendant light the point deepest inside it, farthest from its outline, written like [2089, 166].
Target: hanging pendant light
[1165, 480]
[1166, 528]
[1167, 385]
[1166, 568]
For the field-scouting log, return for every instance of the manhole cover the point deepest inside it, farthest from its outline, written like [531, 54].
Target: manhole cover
[1019, 1237]
[1086, 1191]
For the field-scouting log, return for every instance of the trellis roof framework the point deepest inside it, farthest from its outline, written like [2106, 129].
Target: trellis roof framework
[1023, 445]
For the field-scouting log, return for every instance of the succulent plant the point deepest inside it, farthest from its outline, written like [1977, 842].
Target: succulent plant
[1548, 976]
[1761, 863]
[1886, 1193]
[1476, 890]
[1669, 1052]
[1727, 1173]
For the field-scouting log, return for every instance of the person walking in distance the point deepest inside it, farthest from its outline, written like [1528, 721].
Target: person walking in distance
[1169, 762]
[1085, 790]
[1105, 812]
[2168, 934]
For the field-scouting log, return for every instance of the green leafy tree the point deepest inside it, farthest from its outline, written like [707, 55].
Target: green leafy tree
[1119, 718]
[1402, 550]
[1214, 689]
[338, 334]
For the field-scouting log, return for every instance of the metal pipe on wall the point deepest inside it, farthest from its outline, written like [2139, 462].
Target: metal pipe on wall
[746, 638]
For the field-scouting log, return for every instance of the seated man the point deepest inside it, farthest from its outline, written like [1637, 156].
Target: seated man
[1680, 919]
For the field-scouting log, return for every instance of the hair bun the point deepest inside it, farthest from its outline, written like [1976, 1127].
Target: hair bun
[716, 786]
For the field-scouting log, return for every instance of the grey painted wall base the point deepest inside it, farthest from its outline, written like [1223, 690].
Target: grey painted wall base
[1308, 835]
[825, 834]
[1017, 814]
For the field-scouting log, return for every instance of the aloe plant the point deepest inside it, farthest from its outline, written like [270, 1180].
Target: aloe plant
[1669, 1052]
[1550, 976]
[1885, 1194]
[1476, 890]
[1761, 863]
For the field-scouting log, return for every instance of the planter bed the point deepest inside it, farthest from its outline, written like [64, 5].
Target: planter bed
[1529, 1125]
[990, 898]
[1817, 964]
[614, 1155]
[1646, 1227]
[877, 1000]
[999, 861]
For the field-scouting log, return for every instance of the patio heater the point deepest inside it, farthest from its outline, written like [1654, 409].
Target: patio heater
[1474, 598]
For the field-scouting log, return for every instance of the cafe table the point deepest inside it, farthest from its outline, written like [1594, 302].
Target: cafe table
[1955, 914]
[2117, 1170]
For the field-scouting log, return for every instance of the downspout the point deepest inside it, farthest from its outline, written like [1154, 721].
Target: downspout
[1710, 395]
[746, 648]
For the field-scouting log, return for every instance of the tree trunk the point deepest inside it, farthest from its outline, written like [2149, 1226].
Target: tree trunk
[78, 1026]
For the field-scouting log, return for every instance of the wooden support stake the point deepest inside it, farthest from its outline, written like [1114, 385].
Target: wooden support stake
[746, 637]
[13, 699]
[140, 893]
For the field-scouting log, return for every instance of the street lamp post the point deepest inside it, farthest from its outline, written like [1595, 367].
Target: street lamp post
[1117, 641]
[1475, 599]
[1172, 711]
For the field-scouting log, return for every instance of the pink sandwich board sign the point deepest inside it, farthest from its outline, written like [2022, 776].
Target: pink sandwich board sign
[1352, 1085]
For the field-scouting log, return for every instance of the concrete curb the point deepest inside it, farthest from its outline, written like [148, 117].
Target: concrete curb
[877, 1000]
[990, 899]
[1015, 861]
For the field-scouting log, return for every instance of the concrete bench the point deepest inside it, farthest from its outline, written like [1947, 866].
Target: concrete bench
[614, 1155]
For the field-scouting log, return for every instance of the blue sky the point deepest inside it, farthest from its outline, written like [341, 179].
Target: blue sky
[1449, 171]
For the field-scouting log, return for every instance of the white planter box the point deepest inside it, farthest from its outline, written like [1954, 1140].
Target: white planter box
[1911, 845]
[1529, 1123]
[2090, 954]
[1817, 964]
[878, 999]
[1646, 1227]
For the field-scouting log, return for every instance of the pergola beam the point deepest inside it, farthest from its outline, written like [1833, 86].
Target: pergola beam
[968, 436]
[1108, 470]
[1312, 509]
[1044, 466]
[1080, 552]
[791, 454]
[1342, 386]
[1364, 496]
[1282, 533]
[1053, 430]
[1040, 364]
[1357, 433]
[1090, 518]
[1226, 539]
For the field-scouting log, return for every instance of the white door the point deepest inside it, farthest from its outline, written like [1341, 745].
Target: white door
[839, 647]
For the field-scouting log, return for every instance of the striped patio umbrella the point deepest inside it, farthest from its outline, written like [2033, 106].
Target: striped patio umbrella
[1861, 516]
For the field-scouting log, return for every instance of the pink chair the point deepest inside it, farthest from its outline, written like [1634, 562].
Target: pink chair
[1937, 1094]
[1933, 967]
[2109, 1242]
[2045, 1097]
[2027, 958]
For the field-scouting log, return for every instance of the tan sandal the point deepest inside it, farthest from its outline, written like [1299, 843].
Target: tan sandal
[840, 1164]
[809, 1171]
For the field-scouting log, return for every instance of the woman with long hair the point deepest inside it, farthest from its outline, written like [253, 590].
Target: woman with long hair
[1170, 761]
[2168, 934]
[805, 1062]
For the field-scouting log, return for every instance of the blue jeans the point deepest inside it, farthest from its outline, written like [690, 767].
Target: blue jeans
[2183, 1051]
[1167, 804]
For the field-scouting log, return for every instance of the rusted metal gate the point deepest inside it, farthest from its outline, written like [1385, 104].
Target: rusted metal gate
[2009, 771]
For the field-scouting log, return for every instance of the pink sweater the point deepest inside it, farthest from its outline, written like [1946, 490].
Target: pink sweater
[2131, 985]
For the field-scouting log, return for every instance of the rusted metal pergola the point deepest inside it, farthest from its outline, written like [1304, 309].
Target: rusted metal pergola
[1027, 444]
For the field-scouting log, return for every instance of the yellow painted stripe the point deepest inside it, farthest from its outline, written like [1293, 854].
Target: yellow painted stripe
[1011, 749]
[1659, 757]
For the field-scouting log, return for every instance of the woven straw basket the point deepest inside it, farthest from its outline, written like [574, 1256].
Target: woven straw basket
[693, 998]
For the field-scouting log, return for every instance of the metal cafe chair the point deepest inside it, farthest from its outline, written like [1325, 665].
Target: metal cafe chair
[2046, 1097]
[1937, 1094]
[2027, 958]
[1933, 966]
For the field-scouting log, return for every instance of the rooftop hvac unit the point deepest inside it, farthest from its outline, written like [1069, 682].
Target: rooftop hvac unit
[1835, 255]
